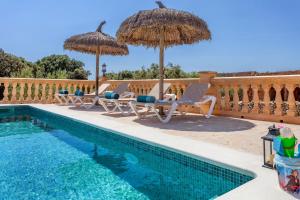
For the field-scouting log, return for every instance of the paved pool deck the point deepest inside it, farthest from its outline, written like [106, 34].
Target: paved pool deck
[228, 141]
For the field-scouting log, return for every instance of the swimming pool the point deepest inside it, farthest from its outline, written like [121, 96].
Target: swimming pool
[48, 156]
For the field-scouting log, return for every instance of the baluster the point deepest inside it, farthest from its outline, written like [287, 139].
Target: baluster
[255, 98]
[176, 90]
[64, 85]
[278, 99]
[183, 87]
[81, 86]
[265, 100]
[5, 93]
[235, 98]
[291, 100]
[56, 90]
[90, 88]
[50, 95]
[219, 98]
[22, 92]
[14, 92]
[173, 88]
[130, 88]
[43, 98]
[227, 97]
[29, 91]
[36, 92]
[245, 98]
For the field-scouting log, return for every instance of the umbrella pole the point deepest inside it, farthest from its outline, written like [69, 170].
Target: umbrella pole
[97, 72]
[161, 69]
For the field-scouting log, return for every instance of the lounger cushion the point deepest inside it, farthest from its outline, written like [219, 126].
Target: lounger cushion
[111, 95]
[79, 93]
[146, 99]
[63, 92]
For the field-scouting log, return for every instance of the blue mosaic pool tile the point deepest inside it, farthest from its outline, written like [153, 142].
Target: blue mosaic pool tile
[231, 179]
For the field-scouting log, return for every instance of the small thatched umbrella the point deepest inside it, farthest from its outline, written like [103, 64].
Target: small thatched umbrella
[97, 43]
[162, 27]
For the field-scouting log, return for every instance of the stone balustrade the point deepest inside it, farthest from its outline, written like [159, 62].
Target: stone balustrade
[27, 90]
[272, 98]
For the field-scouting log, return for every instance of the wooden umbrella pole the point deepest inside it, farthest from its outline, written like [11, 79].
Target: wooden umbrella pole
[161, 67]
[97, 71]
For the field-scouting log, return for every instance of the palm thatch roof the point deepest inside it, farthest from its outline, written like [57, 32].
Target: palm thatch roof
[96, 42]
[179, 27]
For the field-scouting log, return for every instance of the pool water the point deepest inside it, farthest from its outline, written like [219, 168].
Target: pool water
[47, 156]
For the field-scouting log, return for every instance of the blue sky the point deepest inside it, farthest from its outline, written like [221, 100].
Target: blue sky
[260, 35]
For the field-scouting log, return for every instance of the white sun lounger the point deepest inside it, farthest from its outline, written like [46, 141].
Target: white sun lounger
[79, 100]
[122, 90]
[194, 96]
[62, 98]
[126, 98]
[136, 106]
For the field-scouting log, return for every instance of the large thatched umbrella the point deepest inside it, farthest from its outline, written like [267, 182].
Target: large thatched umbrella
[162, 27]
[97, 43]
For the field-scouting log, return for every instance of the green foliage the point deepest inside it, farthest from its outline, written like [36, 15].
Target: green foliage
[171, 72]
[79, 73]
[12, 65]
[59, 74]
[62, 66]
[26, 72]
[53, 66]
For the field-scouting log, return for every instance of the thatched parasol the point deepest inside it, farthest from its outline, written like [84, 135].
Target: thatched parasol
[162, 27]
[97, 43]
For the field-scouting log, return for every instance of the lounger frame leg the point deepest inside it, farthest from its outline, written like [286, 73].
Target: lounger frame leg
[95, 100]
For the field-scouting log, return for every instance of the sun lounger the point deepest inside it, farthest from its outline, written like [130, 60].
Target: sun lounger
[136, 106]
[62, 97]
[193, 96]
[79, 100]
[117, 103]
[126, 98]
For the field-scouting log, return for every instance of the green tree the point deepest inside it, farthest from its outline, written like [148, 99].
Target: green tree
[12, 65]
[26, 72]
[174, 71]
[153, 71]
[192, 75]
[125, 75]
[59, 74]
[53, 66]
[79, 73]
[62, 66]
